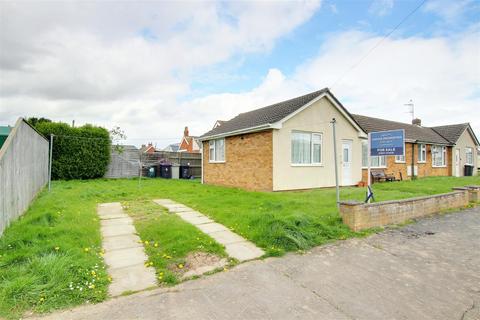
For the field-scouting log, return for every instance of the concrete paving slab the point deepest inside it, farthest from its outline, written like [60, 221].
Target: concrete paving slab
[235, 245]
[112, 216]
[125, 257]
[180, 209]
[121, 242]
[109, 208]
[211, 227]
[117, 230]
[192, 213]
[164, 201]
[226, 237]
[132, 278]
[243, 251]
[118, 221]
[175, 206]
[124, 254]
[195, 220]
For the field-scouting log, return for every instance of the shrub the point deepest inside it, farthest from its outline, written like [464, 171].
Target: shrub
[78, 153]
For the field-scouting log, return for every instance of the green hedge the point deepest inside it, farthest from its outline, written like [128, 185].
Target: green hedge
[78, 153]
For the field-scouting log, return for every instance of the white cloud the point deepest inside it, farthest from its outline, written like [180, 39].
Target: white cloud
[440, 74]
[449, 10]
[69, 64]
[381, 7]
[126, 63]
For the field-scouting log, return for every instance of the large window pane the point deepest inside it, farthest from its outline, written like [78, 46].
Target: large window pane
[212, 150]
[219, 150]
[301, 148]
[317, 148]
[469, 156]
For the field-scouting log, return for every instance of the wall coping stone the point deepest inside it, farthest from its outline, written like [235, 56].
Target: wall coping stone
[380, 203]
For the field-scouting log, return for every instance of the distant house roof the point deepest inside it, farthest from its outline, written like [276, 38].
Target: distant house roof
[269, 115]
[172, 147]
[453, 132]
[412, 132]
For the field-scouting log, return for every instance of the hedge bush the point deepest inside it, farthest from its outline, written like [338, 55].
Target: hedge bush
[78, 153]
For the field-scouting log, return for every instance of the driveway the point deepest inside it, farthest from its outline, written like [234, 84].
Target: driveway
[427, 270]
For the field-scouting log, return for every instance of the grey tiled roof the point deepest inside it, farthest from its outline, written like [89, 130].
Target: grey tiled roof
[265, 115]
[412, 132]
[451, 132]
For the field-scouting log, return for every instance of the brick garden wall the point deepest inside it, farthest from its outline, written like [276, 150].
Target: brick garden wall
[360, 216]
[248, 162]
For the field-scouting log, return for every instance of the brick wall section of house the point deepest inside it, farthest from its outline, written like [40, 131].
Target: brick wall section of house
[423, 169]
[359, 216]
[248, 162]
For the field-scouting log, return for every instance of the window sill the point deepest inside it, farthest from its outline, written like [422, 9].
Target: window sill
[401, 162]
[306, 164]
[384, 167]
[439, 166]
[421, 162]
[216, 161]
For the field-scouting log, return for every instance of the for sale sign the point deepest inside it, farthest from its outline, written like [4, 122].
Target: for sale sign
[387, 143]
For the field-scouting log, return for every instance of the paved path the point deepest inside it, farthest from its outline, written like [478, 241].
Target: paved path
[236, 246]
[124, 253]
[428, 270]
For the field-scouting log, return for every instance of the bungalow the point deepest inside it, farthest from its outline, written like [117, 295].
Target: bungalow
[289, 146]
[428, 150]
[285, 146]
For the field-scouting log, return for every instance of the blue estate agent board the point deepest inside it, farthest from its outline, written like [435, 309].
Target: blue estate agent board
[387, 143]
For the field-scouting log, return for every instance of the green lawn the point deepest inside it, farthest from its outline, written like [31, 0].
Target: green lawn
[51, 257]
[168, 239]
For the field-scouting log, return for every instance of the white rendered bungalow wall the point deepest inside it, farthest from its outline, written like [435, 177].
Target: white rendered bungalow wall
[316, 119]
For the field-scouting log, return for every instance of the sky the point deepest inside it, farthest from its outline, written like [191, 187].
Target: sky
[154, 67]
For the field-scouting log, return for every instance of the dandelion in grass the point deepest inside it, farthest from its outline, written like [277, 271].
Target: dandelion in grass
[86, 249]
[57, 248]
[180, 266]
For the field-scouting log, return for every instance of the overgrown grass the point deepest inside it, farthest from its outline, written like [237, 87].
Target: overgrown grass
[168, 239]
[35, 276]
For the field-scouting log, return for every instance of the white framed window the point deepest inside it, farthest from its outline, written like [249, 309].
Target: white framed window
[216, 150]
[469, 156]
[306, 148]
[439, 156]
[422, 153]
[375, 161]
[400, 159]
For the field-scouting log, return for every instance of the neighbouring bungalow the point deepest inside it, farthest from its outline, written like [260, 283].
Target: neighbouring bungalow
[289, 146]
[428, 150]
[464, 143]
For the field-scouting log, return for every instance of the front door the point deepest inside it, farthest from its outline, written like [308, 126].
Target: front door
[457, 162]
[347, 163]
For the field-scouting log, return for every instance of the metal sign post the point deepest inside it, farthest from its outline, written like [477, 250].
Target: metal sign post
[333, 122]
